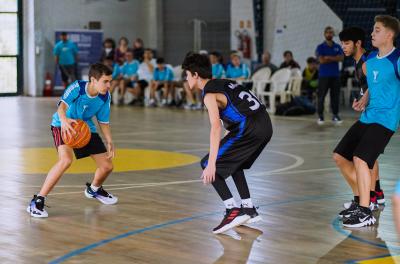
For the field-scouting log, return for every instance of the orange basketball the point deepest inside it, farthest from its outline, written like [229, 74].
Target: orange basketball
[81, 137]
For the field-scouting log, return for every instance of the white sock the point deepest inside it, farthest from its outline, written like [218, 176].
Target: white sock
[94, 188]
[247, 203]
[230, 203]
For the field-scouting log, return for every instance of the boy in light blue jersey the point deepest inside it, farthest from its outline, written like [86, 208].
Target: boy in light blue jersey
[129, 71]
[162, 78]
[237, 70]
[218, 71]
[369, 136]
[82, 100]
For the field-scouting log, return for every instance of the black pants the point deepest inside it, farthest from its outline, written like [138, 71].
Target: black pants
[324, 84]
[68, 72]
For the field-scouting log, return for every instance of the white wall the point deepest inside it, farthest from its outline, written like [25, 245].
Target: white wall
[297, 25]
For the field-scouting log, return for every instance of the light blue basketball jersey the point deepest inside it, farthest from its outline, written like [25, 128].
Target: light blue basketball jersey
[83, 106]
[397, 188]
[163, 75]
[130, 69]
[383, 79]
[238, 72]
[218, 71]
[66, 52]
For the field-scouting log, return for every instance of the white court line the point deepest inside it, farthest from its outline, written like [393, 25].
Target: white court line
[155, 131]
[298, 162]
[166, 142]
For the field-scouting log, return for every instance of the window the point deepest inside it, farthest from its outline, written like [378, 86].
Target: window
[10, 47]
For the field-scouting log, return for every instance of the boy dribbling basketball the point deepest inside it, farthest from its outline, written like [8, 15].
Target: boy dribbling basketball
[82, 100]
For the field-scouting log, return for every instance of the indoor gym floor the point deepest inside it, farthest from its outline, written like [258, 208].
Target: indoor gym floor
[165, 214]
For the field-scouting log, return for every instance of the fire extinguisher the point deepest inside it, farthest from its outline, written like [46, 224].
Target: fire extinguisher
[246, 44]
[48, 85]
[239, 37]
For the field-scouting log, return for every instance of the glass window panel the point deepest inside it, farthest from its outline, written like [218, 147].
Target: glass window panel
[8, 34]
[8, 5]
[8, 75]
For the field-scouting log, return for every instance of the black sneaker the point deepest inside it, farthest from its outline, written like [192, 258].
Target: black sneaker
[347, 212]
[380, 197]
[233, 217]
[36, 207]
[252, 212]
[359, 218]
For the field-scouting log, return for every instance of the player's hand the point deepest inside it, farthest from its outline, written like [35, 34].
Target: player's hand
[110, 150]
[208, 175]
[66, 127]
[360, 104]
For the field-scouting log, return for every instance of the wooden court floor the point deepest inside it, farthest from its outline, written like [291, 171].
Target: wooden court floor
[165, 214]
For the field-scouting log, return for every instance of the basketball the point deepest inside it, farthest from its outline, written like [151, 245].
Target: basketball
[82, 136]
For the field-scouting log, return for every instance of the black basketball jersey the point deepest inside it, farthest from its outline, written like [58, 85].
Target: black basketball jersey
[359, 74]
[241, 101]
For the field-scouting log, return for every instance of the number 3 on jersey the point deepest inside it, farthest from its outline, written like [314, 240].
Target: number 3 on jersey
[251, 98]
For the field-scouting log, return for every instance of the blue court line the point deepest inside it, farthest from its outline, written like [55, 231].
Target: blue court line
[337, 227]
[174, 222]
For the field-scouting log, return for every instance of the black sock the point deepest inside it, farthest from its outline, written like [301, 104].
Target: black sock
[372, 194]
[222, 188]
[377, 186]
[365, 209]
[241, 184]
[357, 199]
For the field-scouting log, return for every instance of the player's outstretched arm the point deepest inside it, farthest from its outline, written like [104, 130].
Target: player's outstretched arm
[210, 100]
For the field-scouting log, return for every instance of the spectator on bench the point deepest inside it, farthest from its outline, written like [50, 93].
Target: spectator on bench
[162, 78]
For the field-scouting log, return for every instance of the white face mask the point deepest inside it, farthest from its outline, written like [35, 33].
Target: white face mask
[108, 50]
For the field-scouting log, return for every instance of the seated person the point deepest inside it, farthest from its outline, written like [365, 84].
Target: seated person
[266, 63]
[162, 78]
[310, 78]
[288, 61]
[129, 74]
[237, 70]
[218, 71]
[145, 75]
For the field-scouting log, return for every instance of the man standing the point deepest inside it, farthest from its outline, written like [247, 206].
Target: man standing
[66, 56]
[329, 55]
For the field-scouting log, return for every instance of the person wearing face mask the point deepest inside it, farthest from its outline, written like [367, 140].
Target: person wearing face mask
[108, 52]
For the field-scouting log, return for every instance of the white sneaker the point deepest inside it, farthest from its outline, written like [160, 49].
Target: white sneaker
[320, 121]
[36, 207]
[336, 120]
[101, 195]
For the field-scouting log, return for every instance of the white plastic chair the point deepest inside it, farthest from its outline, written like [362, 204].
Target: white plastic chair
[260, 79]
[294, 88]
[279, 81]
[296, 72]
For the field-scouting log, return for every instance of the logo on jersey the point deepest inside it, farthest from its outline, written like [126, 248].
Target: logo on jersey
[233, 85]
[84, 107]
[375, 75]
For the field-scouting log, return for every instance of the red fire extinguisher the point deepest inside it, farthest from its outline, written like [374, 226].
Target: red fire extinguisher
[246, 44]
[48, 85]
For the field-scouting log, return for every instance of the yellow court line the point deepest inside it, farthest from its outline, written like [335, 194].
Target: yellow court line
[382, 260]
